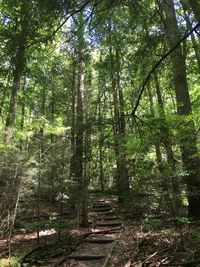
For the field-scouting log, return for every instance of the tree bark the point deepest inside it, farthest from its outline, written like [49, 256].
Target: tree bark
[195, 45]
[19, 64]
[79, 123]
[187, 131]
[100, 137]
[167, 142]
[160, 163]
[119, 126]
[73, 115]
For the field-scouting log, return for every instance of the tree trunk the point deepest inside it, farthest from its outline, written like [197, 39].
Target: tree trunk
[23, 105]
[5, 89]
[187, 132]
[195, 45]
[79, 123]
[100, 137]
[124, 175]
[73, 115]
[19, 64]
[52, 174]
[119, 127]
[167, 142]
[160, 163]
[79, 142]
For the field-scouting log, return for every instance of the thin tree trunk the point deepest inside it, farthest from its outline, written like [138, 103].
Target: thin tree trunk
[73, 116]
[5, 89]
[101, 170]
[41, 149]
[160, 163]
[79, 122]
[23, 105]
[52, 175]
[39, 189]
[167, 142]
[195, 45]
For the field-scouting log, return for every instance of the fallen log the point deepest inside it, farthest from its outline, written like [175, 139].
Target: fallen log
[107, 231]
[100, 240]
[23, 258]
[107, 224]
[85, 257]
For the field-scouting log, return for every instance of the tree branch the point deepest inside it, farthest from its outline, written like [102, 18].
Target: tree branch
[158, 64]
[45, 39]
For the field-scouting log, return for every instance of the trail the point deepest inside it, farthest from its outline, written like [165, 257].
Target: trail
[96, 249]
[90, 246]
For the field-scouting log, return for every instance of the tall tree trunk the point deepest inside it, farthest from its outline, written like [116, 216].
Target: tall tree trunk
[40, 159]
[23, 105]
[78, 170]
[124, 175]
[100, 137]
[5, 89]
[19, 64]
[160, 163]
[52, 174]
[167, 142]
[195, 45]
[79, 122]
[119, 127]
[77, 137]
[73, 114]
[187, 132]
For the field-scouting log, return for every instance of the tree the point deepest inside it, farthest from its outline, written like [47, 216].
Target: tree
[18, 60]
[187, 131]
[77, 160]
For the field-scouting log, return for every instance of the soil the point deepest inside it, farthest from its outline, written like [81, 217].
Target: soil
[141, 241]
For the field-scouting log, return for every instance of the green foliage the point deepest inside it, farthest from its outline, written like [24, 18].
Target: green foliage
[152, 224]
[194, 240]
[183, 220]
[120, 47]
[14, 261]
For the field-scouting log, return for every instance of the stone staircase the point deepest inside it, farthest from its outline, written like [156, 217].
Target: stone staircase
[96, 249]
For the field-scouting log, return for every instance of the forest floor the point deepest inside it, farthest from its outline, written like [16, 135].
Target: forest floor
[142, 241]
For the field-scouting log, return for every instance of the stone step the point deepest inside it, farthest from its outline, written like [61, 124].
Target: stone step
[106, 213]
[99, 240]
[102, 209]
[108, 218]
[108, 224]
[99, 206]
[113, 230]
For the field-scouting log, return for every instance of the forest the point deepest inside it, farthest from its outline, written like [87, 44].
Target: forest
[100, 133]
